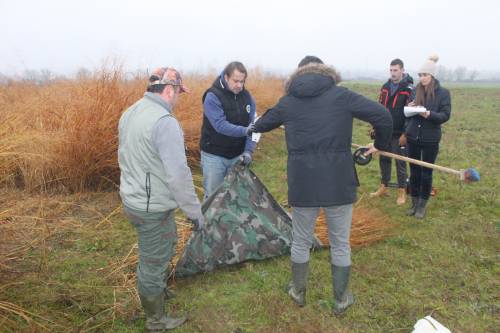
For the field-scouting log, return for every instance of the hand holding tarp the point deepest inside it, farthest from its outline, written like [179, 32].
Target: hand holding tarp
[246, 158]
[198, 224]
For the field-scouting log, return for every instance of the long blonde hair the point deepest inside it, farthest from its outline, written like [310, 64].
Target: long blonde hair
[424, 95]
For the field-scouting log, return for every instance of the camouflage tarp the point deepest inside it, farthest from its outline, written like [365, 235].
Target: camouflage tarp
[243, 222]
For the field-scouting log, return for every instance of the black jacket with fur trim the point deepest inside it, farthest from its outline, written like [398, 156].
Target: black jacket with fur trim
[318, 117]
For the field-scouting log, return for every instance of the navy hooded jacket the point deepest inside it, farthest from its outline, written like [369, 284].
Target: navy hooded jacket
[318, 117]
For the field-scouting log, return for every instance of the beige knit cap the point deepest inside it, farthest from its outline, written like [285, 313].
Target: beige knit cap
[429, 67]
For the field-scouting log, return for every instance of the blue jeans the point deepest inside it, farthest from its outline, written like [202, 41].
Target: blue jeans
[157, 238]
[214, 169]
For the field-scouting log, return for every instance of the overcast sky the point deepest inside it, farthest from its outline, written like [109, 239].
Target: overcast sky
[198, 35]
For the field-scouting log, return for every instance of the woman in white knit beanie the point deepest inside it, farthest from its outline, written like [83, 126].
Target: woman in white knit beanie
[423, 133]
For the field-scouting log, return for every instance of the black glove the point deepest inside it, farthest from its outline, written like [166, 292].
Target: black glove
[246, 158]
[250, 129]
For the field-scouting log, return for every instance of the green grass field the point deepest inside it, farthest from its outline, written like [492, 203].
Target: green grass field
[70, 278]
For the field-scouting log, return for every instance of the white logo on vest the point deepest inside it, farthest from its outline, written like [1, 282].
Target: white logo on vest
[248, 108]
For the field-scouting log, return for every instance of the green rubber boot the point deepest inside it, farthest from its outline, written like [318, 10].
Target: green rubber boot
[156, 318]
[342, 297]
[297, 286]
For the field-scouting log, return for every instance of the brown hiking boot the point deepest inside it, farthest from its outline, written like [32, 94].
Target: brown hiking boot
[401, 200]
[382, 191]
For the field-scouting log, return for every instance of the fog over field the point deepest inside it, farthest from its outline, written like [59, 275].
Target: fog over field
[358, 37]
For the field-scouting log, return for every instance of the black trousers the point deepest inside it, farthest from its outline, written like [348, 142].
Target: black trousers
[421, 177]
[385, 164]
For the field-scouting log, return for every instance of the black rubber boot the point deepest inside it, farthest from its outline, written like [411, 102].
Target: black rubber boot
[297, 286]
[420, 211]
[156, 318]
[413, 208]
[341, 296]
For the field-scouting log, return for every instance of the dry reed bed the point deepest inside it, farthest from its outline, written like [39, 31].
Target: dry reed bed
[63, 136]
[30, 228]
[35, 224]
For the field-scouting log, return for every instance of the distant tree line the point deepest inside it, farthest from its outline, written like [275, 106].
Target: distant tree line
[458, 74]
[46, 76]
[39, 77]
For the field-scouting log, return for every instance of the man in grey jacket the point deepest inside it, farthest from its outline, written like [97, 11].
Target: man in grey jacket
[155, 180]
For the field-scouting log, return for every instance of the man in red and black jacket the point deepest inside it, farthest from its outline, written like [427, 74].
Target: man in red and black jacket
[395, 94]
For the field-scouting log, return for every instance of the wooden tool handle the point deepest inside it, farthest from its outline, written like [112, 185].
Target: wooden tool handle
[417, 162]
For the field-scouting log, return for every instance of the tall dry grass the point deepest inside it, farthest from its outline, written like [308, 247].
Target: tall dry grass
[63, 136]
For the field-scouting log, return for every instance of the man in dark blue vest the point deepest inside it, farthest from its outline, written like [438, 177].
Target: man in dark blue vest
[228, 115]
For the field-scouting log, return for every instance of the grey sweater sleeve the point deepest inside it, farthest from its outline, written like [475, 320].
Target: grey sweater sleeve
[168, 140]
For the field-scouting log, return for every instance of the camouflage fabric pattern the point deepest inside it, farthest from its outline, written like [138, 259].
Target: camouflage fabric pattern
[243, 222]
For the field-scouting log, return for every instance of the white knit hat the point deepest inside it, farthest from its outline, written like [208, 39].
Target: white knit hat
[429, 67]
